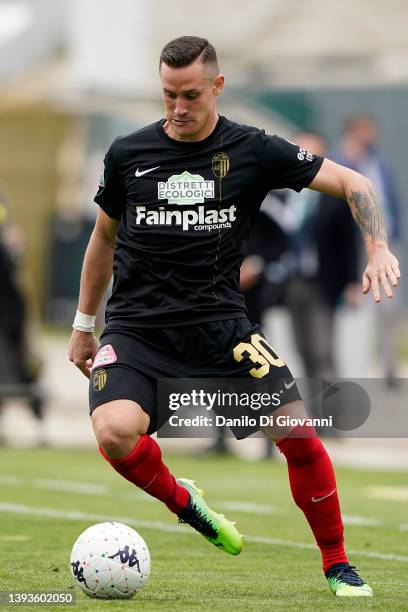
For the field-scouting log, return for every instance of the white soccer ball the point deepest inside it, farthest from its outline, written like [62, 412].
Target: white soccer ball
[110, 561]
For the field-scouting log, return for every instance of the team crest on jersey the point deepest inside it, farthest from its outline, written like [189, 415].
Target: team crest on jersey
[185, 189]
[220, 164]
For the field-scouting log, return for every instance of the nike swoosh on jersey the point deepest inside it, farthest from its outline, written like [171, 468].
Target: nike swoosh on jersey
[290, 385]
[142, 172]
[316, 500]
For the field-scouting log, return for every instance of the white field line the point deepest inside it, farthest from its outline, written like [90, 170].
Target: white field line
[11, 481]
[222, 504]
[362, 521]
[156, 525]
[388, 493]
[88, 488]
[362, 553]
[71, 486]
[85, 516]
[246, 507]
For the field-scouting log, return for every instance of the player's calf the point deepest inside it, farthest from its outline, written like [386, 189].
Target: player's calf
[314, 490]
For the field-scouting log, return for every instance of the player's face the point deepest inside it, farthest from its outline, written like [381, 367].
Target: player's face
[190, 95]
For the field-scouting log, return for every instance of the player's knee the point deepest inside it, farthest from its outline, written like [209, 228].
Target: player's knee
[116, 433]
[111, 438]
[114, 443]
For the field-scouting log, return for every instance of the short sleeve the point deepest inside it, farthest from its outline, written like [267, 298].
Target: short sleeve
[110, 195]
[286, 165]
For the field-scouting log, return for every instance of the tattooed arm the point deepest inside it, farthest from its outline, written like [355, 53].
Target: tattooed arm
[382, 267]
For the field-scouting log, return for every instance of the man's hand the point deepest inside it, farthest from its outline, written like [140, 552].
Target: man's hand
[382, 269]
[83, 348]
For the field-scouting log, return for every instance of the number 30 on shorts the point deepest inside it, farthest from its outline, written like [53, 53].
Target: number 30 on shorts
[260, 353]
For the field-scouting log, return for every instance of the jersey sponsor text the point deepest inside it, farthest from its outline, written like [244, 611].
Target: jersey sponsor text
[185, 188]
[199, 219]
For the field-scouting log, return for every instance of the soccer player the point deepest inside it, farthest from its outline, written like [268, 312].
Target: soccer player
[176, 202]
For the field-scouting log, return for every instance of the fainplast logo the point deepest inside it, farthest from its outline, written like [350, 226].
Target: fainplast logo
[185, 189]
[199, 219]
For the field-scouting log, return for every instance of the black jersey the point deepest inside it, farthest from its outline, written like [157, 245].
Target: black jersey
[185, 211]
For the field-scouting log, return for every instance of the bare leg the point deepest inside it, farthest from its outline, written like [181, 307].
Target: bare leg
[118, 426]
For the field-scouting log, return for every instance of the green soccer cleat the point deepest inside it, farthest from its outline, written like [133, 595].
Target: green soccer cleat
[344, 581]
[214, 527]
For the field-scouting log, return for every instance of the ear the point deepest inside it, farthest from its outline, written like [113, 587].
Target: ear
[218, 85]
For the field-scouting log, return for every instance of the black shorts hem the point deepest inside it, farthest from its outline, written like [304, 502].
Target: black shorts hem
[120, 396]
[184, 320]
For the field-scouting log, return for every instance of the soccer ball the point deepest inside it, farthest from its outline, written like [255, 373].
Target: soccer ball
[110, 561]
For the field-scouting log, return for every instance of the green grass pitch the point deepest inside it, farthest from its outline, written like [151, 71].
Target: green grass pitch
[278, 569]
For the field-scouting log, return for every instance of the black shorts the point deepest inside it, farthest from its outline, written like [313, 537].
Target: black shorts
[131, 361]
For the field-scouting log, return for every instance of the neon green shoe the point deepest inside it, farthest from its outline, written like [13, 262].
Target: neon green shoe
[344, 581]
[214, 527]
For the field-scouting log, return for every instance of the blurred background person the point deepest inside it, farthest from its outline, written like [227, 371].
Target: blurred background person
[359, 150]
[304, 255]
[324, 270]
[323, 274]
[19, 365]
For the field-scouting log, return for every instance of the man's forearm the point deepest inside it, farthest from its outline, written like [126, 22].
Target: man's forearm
[96, 274]
[367, 213]
[342, 182]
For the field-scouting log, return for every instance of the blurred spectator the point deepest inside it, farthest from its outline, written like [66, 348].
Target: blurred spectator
[303, 253]
[312, 270]
[19, 367]
[324, 268]
[359, 150]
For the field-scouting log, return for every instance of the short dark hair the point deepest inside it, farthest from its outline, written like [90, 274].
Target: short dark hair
[185, 50]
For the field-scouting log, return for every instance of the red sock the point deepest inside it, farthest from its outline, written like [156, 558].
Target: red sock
[313, 486]
[144, 467]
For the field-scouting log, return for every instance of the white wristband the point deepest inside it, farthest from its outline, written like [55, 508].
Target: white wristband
[84, 322]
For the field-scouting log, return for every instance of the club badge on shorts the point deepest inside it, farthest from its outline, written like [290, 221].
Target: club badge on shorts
[99, 379]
